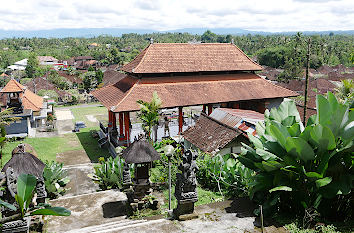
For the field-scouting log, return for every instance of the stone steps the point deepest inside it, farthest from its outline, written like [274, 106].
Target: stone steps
[118, 226]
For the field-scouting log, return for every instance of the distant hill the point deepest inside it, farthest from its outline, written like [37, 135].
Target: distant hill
[94, 32]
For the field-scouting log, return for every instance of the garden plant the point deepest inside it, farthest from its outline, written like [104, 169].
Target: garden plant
[55, 179]
[108, 173]
[306, 170]
[26, 184]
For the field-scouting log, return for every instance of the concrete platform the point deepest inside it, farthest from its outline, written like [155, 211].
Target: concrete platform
[88, 210]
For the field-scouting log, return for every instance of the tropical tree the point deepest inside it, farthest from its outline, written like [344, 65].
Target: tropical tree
[149, 112]
[304, 170]
[32, 66]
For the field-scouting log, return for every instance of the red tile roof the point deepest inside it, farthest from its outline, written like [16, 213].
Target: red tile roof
[42, 83]
[112, 77]
[32, 101]
[29, 99]
[209, 134]
[182, 57]
[188, 90]
[12, 86]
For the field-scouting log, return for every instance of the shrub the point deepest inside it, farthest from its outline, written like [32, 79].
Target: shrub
[224, 174]
[108, 173]
[160, 172]
[55, 179]
[304, 170]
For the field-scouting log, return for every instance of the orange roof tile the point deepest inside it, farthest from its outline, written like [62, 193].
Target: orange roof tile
[183, 57]
[188, 90]
[32, 101]
[13, 86]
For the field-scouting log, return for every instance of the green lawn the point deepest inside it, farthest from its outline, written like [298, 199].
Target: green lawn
[46, 148]
[80, 114]
[90, 145]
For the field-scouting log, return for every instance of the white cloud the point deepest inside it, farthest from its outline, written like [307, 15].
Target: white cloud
[271, 15]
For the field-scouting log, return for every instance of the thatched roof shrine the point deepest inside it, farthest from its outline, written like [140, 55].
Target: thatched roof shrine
[25, 163]
[140, 151]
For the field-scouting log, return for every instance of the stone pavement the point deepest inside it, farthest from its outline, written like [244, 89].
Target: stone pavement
[64, 123]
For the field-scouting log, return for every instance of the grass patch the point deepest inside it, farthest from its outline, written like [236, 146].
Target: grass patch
[46, 148]
[90, 145]
[204, 197]
[80, 114]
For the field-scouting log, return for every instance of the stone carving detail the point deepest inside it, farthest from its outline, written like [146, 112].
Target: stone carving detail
[126, 174]
[186, 183]
[16, 226]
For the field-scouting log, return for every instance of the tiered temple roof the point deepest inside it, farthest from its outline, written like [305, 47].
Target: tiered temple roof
[188, 90]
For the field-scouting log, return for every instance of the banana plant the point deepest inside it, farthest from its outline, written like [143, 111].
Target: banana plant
[300, 167]
[26, 184]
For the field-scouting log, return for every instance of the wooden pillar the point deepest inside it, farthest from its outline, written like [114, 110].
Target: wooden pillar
[121, 133]
[204, 108]
[110, 119]
[126, 126]
[210, 109]
[261, 107]
[114, 119]
[180, 120]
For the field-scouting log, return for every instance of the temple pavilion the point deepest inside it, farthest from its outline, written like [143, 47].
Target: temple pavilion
[189, 74]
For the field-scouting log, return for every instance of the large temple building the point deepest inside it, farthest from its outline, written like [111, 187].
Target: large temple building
[189, 74]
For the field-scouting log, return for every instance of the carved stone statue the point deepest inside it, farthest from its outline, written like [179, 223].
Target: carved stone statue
[186, 184]
[126, 174]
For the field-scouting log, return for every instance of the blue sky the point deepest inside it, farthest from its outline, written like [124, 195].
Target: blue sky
[265, 15]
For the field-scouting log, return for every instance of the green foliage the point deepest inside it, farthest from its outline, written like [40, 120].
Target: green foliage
[303, 168]
[160, 171]
[50, 93]
[209, 37]
[59, 81]
[8, 205]
[32, 66]
[345, 91]
[223, 174]
[55, 179]
[99, 76]
[274, 57]
[293, 228]
[26, 184]
[149, 112]
[108, 173]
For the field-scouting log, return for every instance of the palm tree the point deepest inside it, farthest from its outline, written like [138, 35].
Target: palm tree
[149, 112]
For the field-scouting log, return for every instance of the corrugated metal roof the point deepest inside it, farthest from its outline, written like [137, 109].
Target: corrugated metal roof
[244, 120]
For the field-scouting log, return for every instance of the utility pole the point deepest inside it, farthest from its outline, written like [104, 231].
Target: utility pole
[307, 77]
